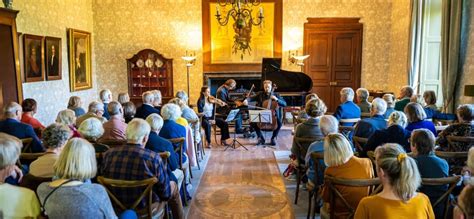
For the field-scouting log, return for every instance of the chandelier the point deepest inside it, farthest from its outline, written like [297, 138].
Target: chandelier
[241, 13]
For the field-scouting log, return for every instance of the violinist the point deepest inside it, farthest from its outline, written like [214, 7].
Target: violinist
[206, 104]
[223, 94]
[264, 97]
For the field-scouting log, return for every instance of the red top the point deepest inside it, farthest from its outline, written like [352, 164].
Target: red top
[27, 119]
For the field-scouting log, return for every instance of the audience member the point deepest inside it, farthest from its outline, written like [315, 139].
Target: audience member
[429, 165]
[416, 98]
[464, 127]
[129, 111]
[465, 204]
[400, 179]
[190, 115]
[67, 117]
[15, 201]
[416, 118]
[404, 97]
[328, 125]
[91, 130]
[395, 133]
[76, 198]
[114, 128]
[429, 97]
[363, 100]
[147, 107]
[146, 164]
[309, 128]
[366, 127]
[11, 125]
[341, 163]
[75, 104]
[106, 97]
[55, 136]
[170, 112]
[181, 120]
[390, 99]
[157, 100]
[347, 109]
[206, 108]
[96, 110]
[30, 107]
[123, 98]
[302, 116]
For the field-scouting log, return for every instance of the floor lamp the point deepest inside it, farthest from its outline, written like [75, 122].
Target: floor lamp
[296, 59]
[189, 59]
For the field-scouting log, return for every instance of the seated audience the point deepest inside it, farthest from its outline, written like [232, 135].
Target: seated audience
[129, 111]
[170, 112]
[302, 116]
[464, 127]
[206, 108]
[429, 97]
[67, 117]
[416, 118]
[363, 100]
[146, 164]
[55, 136]
[190, 115]
[347, 109]
[390, 99]
[106, 97]
[75, 104]
[309, 128]
[403, 98]
[29, 107]
[76, 198]
[366, 127]
[416, 98]
[147, 107]
[114, 128]
[123, 98]
[11, 125]
[465, 204]
[429, 165]
[400, 179]
[96, 110]
[328, 125]
[395, 133]
[15, 201]
[181, 120]
[157, 100]
[342, 163]
[91, 130]
[159, 144]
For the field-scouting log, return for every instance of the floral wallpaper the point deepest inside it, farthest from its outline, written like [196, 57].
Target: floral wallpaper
[51, 18]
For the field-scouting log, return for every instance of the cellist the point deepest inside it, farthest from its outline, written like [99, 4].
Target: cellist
[268, 96]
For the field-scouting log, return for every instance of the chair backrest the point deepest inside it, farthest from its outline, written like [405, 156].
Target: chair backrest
[359, 142]
[468, 140]
[179, 149]
[113, 143]
[451, 181]
[351, 120]
[373, 184]
[303, 144]
[317, 157]
[32, 182]
[452, 155]
[26, 145]
[148, 192]
[345, 129]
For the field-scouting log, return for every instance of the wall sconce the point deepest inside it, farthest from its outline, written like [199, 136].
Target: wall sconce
[296, 59]
[190, 59]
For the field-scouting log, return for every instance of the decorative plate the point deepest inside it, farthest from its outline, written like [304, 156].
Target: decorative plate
[159, 63]
[149, 63]
[140, 63]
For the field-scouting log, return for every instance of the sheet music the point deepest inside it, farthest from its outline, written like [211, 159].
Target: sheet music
[232, 115]
[262, 116]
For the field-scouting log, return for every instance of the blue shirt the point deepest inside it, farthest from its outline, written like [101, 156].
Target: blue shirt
[366, 127]
[106, 112]
[347, 110]
[388, 112]
[170, 130]
[392, 134]
[422, 124]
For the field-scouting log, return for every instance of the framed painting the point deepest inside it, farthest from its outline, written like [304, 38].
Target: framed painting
[33, 58]
[80, 67]
[52, 53]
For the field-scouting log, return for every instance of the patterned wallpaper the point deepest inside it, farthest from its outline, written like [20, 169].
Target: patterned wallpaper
[468, 67]
[51, 18]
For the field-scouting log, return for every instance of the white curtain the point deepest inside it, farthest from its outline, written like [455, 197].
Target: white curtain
[415, 45]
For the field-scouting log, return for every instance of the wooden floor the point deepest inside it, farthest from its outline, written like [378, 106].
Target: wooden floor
[243, 184]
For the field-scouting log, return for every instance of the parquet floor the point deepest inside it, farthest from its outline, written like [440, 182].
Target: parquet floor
[243, 184]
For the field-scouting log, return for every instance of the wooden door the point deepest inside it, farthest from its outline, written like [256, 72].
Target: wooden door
[334, 46]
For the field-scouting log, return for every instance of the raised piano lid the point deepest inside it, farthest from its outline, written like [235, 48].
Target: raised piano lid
[286, 81]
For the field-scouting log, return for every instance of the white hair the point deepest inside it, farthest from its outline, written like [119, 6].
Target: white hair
[114, 108]
[390, 99]
[148, 97]
[181, 94]
[347, 94]
[105, 95]
[156, 97]
[137, 130]
[397, 118]
[95, 107]
[10, 109]
[328, 124]
[67, 117]
[155, 121]
[171, 111]
[10, 148]
[362, 93]
[379, 106]
[91, 129]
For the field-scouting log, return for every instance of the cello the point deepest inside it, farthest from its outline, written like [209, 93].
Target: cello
[272, 105]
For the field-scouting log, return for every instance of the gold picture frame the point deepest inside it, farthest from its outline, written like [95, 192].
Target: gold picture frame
[80, 65]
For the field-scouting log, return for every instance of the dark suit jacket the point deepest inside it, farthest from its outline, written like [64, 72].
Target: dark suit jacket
[145, 110]
[20, 130]
[170, 130]
[261, 96]
[158, 145]
[347, 110]
[223, 94]
[366, 127]
[393, 134]
[106, 112]
[53, 66]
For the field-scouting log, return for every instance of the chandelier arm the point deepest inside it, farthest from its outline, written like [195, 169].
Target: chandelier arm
[248, 13]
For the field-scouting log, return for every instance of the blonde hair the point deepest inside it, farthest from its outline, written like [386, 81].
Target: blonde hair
[414, 112]
[315, 107]
[337, 150]
[470, 159]
[123, 98]
[74, 102]
[10, 148]
[397, 118]
[400, 169]
[310, 97]
[417, 99]
[66, 117]
[77, 161]
[178, 101]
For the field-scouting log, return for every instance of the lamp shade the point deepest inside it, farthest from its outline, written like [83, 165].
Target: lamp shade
[469, 90]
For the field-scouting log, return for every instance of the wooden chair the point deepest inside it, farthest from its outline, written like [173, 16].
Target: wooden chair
[152, 210]
[26, 145]
[179, 150]
[316, 157]
[455, 159]
[113, 143]
[32, 182]
[451, 181]
[468, 140]
[302, 143]
[359, 143]
[374, 186]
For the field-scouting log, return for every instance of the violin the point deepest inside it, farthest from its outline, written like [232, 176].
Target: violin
[272, 105]
[239, 103]
[215, 100]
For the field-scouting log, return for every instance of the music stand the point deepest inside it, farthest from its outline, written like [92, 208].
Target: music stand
[231, 117]
[261, 116]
